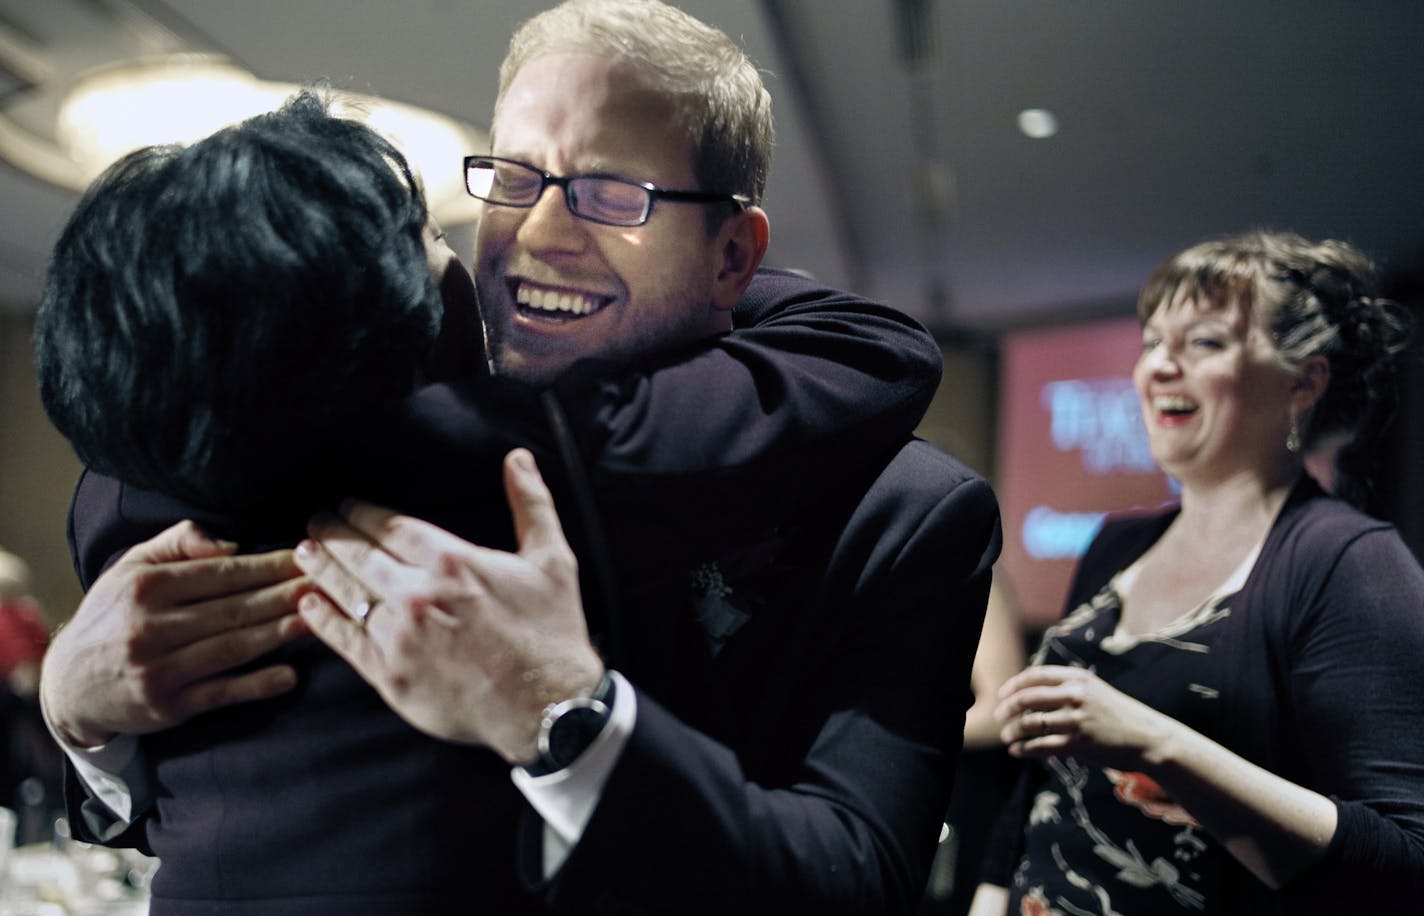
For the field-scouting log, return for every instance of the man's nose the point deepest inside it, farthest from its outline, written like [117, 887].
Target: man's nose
[550, 227]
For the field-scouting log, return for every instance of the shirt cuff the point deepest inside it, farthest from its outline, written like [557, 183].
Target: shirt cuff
[565, 799]
[113, 772]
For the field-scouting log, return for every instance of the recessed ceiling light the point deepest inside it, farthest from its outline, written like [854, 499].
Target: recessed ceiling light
[1038, 123]
[183, 97]
[173, 100]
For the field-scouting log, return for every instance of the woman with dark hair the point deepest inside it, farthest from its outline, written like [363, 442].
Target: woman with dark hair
[1230, 718]
[204, 302]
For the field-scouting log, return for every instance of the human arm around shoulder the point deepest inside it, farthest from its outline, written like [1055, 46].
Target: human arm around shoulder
[731, 435]
[825, 361]
[153, 643]
[736, 432]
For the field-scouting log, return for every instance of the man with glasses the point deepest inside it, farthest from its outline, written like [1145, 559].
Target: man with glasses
[803, 757]
[605, 199]
[523, 338]
[778, 725]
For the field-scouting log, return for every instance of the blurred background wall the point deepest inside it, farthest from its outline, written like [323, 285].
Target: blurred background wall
[37, 472]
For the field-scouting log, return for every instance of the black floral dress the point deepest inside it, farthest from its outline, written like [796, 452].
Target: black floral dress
[1101, 841]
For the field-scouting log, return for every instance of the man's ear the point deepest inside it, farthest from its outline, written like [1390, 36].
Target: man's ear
[741, 244]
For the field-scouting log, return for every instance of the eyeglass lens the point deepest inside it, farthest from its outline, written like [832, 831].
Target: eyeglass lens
[604, 200]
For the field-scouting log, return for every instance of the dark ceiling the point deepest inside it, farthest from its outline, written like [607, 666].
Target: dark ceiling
[900, 170]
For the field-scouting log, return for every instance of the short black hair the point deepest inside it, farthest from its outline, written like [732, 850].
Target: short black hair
[215, 314]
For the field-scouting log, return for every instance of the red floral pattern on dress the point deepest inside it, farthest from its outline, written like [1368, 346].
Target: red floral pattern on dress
[1034, 903]
[1143, 792]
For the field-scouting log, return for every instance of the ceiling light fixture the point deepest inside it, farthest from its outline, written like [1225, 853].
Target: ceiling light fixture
[1038, 123]
[173, 100]
[181, 98]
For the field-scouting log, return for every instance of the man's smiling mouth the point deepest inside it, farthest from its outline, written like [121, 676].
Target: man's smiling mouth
[558, 304]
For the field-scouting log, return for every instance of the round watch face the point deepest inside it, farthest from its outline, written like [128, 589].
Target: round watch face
[573, 731]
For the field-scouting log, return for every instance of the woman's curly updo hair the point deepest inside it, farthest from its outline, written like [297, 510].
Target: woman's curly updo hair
[1313, 298]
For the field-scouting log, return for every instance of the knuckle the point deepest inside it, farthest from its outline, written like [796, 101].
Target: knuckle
[223, 567]
[405, 602]
[393, 531]
[142, 634]
[200, 699]
[406, 645]
[476, 593]
[563, 563]
[358, 549]
[399, 682]
[287, 593]
[253, 642]
[450, 563]
[397, 526]
[237, 649]
[233, 613]
[184, 536]
[196, 699]
[152, 688]
[145, 582]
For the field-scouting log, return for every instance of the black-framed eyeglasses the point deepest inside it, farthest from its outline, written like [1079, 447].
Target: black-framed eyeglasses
[604, 199]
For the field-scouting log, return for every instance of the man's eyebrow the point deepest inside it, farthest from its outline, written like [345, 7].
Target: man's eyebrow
[597, 166]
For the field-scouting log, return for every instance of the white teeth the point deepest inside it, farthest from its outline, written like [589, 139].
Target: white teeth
[1173, 403]
[548, 300]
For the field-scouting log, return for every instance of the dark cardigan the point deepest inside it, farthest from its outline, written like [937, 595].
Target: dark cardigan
[1326, 689]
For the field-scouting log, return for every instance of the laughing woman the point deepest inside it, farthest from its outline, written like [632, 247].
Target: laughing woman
[1230, 719]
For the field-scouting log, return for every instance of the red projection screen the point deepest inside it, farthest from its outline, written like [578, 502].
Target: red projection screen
[1071, 448]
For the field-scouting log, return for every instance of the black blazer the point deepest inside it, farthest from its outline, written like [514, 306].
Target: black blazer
[803, 763]
[833, 700]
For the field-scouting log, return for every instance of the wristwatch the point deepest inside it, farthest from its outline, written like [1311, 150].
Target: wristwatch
[566, 729]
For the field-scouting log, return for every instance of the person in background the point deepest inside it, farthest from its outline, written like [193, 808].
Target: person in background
[1230, 717]
[30, 763]
[23, 633]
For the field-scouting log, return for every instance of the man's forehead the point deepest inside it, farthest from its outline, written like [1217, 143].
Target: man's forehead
[577, 111]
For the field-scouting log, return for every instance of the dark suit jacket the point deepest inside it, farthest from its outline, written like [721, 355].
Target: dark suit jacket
[796, 732]
[803, 763]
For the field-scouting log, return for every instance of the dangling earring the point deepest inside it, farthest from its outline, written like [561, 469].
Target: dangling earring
[1293, 437]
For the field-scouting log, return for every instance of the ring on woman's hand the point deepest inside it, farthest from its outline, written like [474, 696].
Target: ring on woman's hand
[1042, 724]
[362, 609]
